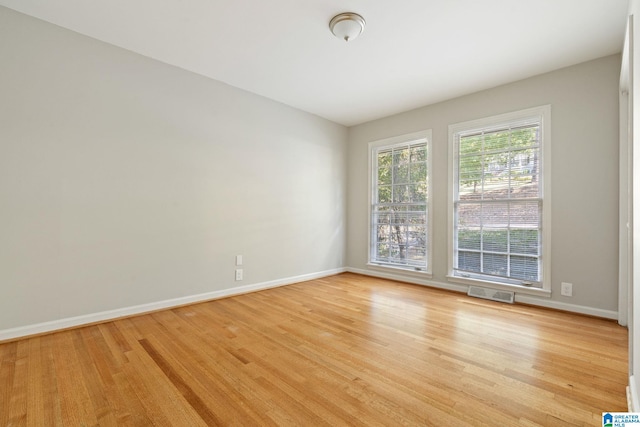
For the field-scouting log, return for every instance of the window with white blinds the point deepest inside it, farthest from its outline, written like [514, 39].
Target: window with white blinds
[498, 199]
[400, 202]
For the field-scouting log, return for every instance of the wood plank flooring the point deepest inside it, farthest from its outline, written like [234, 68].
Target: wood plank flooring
[344, 350]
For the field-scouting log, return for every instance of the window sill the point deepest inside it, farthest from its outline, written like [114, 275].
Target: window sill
[407, 271]
[518, 289]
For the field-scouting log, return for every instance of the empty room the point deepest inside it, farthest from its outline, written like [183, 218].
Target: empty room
[319, 213]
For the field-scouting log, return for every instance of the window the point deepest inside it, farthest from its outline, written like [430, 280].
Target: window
[499, 210]
[399, 220]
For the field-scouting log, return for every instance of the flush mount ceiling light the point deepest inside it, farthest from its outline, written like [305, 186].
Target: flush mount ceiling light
[347, 26]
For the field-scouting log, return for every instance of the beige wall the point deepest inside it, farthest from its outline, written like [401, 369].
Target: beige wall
[584, 138]
[125, 181]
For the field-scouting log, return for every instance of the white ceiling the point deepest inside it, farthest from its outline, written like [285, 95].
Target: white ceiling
[412, 52]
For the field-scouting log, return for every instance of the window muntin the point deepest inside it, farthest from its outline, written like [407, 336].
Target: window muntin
[399, 203]
[498, 207]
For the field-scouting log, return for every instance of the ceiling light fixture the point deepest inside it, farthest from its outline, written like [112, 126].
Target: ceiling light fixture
[347, 26]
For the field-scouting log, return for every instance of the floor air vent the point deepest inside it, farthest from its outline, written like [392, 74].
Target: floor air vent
[492, 294]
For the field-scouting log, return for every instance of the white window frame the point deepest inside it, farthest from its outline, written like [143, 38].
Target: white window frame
[374, 146]
[544, 115]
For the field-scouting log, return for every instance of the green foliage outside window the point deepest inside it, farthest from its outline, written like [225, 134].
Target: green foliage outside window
[400, 210]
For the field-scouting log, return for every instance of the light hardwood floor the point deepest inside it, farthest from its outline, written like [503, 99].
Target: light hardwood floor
[344, 350]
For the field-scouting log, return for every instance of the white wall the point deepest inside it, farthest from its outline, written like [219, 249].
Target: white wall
[125, 181]
[633, 71]
[584, 115]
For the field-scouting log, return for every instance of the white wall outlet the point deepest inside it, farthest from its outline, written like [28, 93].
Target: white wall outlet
[238, 274]
[238, 259]
[566, 289]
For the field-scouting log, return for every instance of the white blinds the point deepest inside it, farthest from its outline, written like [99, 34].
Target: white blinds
[498, 202]
[399, 208]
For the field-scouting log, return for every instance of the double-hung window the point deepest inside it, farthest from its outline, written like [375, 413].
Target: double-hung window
[499, 212]
[399, 208]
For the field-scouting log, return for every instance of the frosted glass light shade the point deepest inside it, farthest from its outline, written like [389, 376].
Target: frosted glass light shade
[347, 26]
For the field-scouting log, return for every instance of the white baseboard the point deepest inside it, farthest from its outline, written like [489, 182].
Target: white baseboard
[526, 299]
[632, 395]
[557, 305]
[409, 279]
[71, 322]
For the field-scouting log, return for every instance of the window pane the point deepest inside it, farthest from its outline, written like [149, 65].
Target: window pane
[382, 216]
[418, 192]
[524, 137]
[496, 141]
[494, 264]
[417, 215]
[469, 239]
[419, 153]
[399, 216]
[401, 156]
[384, 194]
[383, 233]
[417, 235]
[525, 214]
[401, 174]
[495, 240]
[469, 215]
[398, 253]
[384, 159]
[416, 255]
[384, 176]
[524, 241]
[496, 215]
[398, 234]
[418, 172]
[470, 178]
[382, 251]
[469, 261]
[401, 194]
[524, 173]
[525, 268]
[470, 145]
[496, 177]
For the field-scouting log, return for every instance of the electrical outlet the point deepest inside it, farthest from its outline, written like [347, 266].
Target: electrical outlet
[566, 289]
[238, 274]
